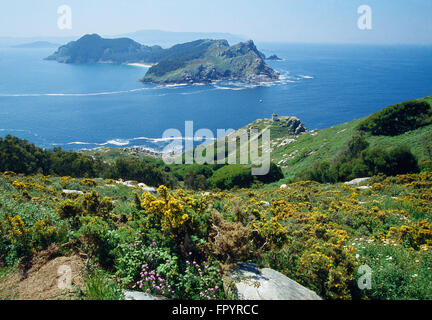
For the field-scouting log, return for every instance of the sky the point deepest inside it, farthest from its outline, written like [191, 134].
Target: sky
[314, 21]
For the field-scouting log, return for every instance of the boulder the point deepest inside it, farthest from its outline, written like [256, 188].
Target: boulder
[364, 187]
[72, 192]
[249, 282]
[357, 181]
[265, 203]
[139, 296]
[145, 187]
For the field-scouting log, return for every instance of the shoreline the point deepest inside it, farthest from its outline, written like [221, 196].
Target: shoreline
[140, 65]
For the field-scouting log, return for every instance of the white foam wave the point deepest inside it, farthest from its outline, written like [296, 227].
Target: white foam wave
[115, 142]
[74, 94]
[285, 78]
[126, 142]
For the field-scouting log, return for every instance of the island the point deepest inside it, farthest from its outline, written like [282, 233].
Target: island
[274, 57]
[200, 61]
[206, 61]
[92, 48]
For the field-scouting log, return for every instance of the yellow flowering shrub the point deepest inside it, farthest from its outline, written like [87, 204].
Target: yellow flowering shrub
[64, 181]
[93, 204]
[89, 204]
[19, 185]
[171, 213]
[95, 238]
[415, 235]
[69, 209]
[15, 230]
[88, 182]
[44, 233]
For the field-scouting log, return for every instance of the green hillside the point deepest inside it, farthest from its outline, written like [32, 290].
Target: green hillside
[305, 150]
[295, 151]
[120, 233]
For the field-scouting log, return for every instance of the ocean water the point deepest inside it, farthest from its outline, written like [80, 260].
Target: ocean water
[88, 106]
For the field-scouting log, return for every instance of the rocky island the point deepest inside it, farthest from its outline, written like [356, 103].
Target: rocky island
[212, 60]
[274, 58]
[93, 48]
[200, 61]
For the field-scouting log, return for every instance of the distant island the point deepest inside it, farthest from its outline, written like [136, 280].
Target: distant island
[274, 57]
[200, 61]
[36, 45]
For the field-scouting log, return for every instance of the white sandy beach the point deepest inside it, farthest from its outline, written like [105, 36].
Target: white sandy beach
[141, 65]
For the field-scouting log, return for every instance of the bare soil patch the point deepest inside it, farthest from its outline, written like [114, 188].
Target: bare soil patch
[40, 279]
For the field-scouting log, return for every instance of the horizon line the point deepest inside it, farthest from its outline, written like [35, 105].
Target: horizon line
[246, 38]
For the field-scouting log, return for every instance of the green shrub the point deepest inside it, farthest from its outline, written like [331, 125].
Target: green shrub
[397, 119]
[397, 161]
[130, 259]
[195, 181]
[397, 274]
[180, 171]
[359, 161]
[158, 270]
[232, 176]
[99, 239]
[20, 156]
[140, 170]
[275, 174]
[99, 285]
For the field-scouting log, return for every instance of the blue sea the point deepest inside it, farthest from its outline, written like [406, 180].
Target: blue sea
[89, 106]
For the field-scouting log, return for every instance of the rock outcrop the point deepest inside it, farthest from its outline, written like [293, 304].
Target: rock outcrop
[139, 296]
[292, 124]
[249, 282]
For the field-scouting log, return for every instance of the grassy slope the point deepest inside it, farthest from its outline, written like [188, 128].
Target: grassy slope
[390, 196]
[111, 154]
[324, 145]
[312, 147]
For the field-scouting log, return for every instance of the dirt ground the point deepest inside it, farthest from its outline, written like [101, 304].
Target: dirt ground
[41, 281]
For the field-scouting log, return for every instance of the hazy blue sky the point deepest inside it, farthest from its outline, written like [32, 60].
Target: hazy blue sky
[394, 21]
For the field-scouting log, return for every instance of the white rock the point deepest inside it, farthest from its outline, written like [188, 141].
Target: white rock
[357, 181]
[265, 203]
[364, 187]
[139, 296]
[148, 189]
[145, 187]
[253, 283]
[284, 186]
[287, 142]
[73, 192]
